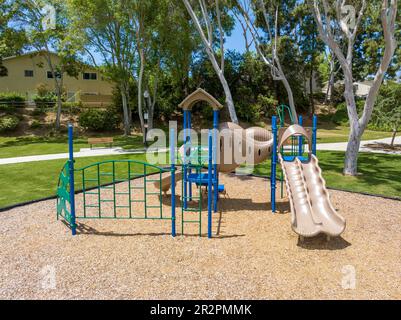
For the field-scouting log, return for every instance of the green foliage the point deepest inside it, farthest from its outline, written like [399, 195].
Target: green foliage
[6, 108]
[338, 94]
[8, 123]
[263, 107]
[99, 119]
[72, 108]
[36, 124]
[12, 99]
[341, 115]
[46, 101]
[387, 111]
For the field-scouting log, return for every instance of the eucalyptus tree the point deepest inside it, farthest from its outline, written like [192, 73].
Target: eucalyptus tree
[348, 20]
[207, 18]
[265, 17]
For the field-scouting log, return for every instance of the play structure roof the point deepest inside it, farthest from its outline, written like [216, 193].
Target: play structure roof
[197, 96]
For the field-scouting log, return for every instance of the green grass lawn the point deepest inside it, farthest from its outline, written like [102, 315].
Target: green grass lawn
[35, 145]
[381, 174]
[35, 180]
[330, 134]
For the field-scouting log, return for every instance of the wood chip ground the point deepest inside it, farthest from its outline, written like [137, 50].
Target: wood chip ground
[254, 255]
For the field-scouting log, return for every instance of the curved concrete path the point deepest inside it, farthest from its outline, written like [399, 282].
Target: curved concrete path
[81, 154]
[340, 146]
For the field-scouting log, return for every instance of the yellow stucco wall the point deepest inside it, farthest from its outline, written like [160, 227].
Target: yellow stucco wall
[17, 82]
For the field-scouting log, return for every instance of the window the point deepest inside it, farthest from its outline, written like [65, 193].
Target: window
[50, 75]
[90, 76]
[28, 73]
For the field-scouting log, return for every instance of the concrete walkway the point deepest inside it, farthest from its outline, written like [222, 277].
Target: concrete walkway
[341, 146]
[81, 154]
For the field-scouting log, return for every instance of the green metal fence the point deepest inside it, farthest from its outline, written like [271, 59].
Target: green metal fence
[117, 189]
[63, 195]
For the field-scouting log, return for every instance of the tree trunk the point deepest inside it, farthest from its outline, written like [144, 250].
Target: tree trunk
[351, 155]
[229, 100]
[393, 138]
[59, 106]
[224, 83]
[140, 109]
[312, 101]
[126, 113]
[290, 98]
[330, 85]
[215, 64]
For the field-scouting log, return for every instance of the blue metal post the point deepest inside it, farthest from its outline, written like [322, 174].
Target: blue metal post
[274, 165]
[215, 174]
[314, 136]
[185, 165]
[72, 180]
[300, 139]
[215, 150]
[189, 127]
[209, 188]
[172, 162]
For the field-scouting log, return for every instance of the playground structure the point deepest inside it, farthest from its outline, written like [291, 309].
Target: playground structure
[311, 210]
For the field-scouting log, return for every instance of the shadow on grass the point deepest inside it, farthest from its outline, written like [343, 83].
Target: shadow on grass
[375, 170]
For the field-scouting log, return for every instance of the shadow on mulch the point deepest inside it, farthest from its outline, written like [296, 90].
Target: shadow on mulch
[83, 229]
[320, 243]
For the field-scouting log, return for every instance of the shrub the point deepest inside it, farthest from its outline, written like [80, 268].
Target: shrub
[251, 112]
[35, 124]
[341, 115]
[7, 108]
[8, 123]
[42, 89]
[71, 107]
[45, 102]
[99, 120]
[12, 99]
[338, 94]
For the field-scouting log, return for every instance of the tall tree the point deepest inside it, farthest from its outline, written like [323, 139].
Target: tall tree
[208, 39]
[333, 18]
[107, 27]
[267, 46]
[45, 26]
[310, 48]
[11, 41]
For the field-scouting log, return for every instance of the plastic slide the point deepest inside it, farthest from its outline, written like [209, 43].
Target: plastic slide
[311, 208]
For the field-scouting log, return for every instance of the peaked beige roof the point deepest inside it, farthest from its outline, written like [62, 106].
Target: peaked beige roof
[197, 96]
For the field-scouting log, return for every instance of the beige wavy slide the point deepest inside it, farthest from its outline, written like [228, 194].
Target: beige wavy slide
[259, 139]
[311, 209]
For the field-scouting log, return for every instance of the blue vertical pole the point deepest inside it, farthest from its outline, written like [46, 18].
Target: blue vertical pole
[189, 126]
[72, 180]
[215, 150]
[300, 139]
[172, 161]
[185, 164]
[209, 188]
[314, 136]
[215, 173]
[274, 165]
